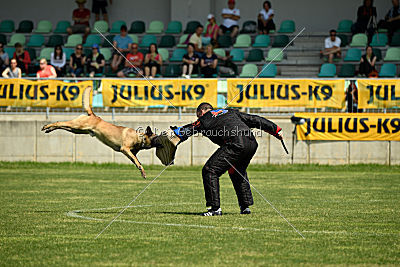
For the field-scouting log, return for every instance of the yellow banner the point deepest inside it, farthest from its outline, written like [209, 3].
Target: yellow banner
[48, 93]
[178, 92]
[286, 93]
[345, 126]
[378, 93]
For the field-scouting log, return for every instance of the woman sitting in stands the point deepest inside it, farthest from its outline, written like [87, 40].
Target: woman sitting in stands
[46, 71]
[58, 60]
[152, 62]
[209, 63]
[13, 71]
[190, 62]
[367, 64]
[96, 61]
[77, 61]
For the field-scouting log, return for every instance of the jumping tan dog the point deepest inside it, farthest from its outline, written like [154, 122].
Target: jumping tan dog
[119, 138]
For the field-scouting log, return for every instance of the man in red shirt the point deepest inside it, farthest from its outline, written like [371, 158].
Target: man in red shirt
[81, 17]
[133, 58]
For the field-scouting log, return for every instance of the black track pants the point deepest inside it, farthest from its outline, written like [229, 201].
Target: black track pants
[239, 155]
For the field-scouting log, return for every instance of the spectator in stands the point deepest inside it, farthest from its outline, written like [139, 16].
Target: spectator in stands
[152, 62]
[58, 60]
[22, 57]
[265, 19]
[212, 30]
[208, 62]
[226, 65]
[366, 16]
[231, 16]
[190, 62]
[13, 71]
[134, 58]
[77, 61]
[332, 47]
[352, 98]
[96, 61]
[392, 20]
[196, 40]
[46, 71]
[123, 43]
[81, 17]
[367, 63]
[100, 5]
[4, 60]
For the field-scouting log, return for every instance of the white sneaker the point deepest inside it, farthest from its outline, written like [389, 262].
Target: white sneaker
[187, 76]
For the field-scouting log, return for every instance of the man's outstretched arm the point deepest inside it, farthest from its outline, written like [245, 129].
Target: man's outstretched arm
[184, 132]
[254, 121]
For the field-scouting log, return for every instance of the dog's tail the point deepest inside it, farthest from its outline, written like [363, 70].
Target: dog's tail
[86, 100]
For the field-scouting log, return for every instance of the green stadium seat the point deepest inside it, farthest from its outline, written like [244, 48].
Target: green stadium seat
[116, 26]
[32, 53]
[182, 40]
[359, 40]
[55, 40]
[36, 40]
[249, 26]
[328, 70]
[224, 40]
[347, 70]
[395, 40]
[380, 30]
[221, 101]
[91, 40]
[172, 70]
[255, 54]
[110, 38]
[220, 52]
[177, 55]
[392, 54]
[25, 26]
[137, 26]
[249, 71]
[191, 26]
[243, 40]
[101, 26]
[262, 41]
[174, 27]
[106, 52]
[344, 26]
[167, 41]
[378, 53]
[344, 40]
[237, 54]
[134, 37]
[353, 54]
[164, 53]
[287, 26]
[274, 54]
[46, 53]
[17, 38]
[68, 52]
[73, 40]
[44, 26]
[147, 40]
[379, 39]
[280, 41]
[155, 27]
[268, 71]
[62, 26]
[3, 38]
[388, 70]
[7, 26]
[10, 51]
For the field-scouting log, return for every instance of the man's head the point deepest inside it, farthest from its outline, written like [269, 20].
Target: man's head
[123, 30]
[203, 108]
[332, 34]
[199, 30]
[134, 48]
[43, 63]
[395, 3]
[18, 47]
[231, 4]
[267, 5]
[80, 3]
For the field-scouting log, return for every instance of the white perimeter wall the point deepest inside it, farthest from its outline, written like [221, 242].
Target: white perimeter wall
[315, 15]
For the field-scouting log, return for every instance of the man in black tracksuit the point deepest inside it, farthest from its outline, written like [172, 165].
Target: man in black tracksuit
[231, 130]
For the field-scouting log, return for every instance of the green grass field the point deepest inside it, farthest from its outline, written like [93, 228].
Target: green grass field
[348, 215]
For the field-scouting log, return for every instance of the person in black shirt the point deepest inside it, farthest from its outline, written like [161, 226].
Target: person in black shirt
[96, 61]
[366, 15]
[392, 20]
[231, 130]
[367, 62]
[77, 61]
[209, 63]
[190, 62]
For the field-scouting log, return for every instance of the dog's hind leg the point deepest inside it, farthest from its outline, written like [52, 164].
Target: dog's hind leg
[127, 152]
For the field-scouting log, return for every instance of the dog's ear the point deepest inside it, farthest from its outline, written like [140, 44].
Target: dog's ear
[149, 132]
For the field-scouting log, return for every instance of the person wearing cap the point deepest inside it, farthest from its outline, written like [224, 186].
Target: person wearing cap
[46, 71]
[95, 62]
[81, 17]
[212, 29]
[231, 16]
[265, 19]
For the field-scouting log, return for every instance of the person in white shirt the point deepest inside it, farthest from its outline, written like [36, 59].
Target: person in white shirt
[332, 47]
[231, 16]
[58, 60]
[265, 19]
